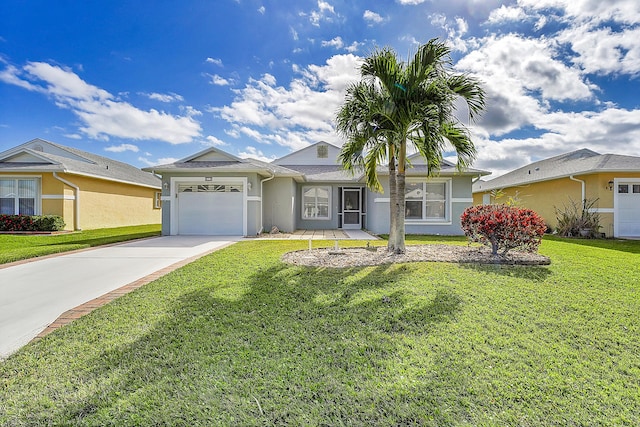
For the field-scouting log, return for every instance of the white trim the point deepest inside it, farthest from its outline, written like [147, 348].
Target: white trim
[173, 226]
[602, 210]
[254, 199]
[616, 215]
[58, 197]
[462, 200]
[382, 200]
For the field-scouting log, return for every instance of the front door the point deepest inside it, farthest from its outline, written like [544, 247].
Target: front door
[351, 209]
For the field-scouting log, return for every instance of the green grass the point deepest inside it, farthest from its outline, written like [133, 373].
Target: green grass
[18, 247]
[238, 338]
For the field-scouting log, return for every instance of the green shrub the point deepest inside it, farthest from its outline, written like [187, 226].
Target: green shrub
[49, 222]
[31, 223]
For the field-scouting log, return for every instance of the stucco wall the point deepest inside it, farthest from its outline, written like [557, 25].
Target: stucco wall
[378, 210]
[111, 204]
[278, 204]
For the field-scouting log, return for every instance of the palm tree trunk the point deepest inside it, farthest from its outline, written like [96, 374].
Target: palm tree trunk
[393, 197]
[399, 244]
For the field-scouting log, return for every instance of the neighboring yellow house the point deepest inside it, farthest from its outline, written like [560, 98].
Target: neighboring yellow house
[543, 186]
[88, 191]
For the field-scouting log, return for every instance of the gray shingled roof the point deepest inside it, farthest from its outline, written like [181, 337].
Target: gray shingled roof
[314, 173]
[96, 166]
[577, 163]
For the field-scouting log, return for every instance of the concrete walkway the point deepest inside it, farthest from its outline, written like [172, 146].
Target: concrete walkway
[323, 235]
[34, 293]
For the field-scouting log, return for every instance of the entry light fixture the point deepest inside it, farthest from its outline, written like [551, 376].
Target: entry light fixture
[610, 185]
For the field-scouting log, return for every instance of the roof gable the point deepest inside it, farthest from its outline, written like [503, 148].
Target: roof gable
[319, 154]
[46, 147]
[211, 154]
[27, 156]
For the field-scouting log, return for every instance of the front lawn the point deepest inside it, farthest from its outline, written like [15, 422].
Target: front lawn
[239, 338]
[15, 247]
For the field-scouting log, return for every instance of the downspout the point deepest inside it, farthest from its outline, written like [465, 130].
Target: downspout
[584, 190]
[76, 216]
[273, 175]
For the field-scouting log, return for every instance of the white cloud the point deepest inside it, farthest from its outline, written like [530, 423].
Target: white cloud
[262, 10]
[122, 148]
[325, 12]
[217, 80]
[215, 142]
[292, 116]
[505, 14]
[252, 152]
[372, 17]
[410, 2]
[160, 161]
[335, 42]
[163, 97]
[101, 115]
[215, 61]
[603, 51]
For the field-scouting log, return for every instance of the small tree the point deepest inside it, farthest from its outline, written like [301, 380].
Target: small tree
[503, 227]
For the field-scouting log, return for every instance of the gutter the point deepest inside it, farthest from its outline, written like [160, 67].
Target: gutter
[273, 175]
[584, 190]
[76, 216]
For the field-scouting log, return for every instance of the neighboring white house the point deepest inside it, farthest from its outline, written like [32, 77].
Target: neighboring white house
[215, 193]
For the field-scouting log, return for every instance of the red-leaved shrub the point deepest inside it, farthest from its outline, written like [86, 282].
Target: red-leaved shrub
[503, 227]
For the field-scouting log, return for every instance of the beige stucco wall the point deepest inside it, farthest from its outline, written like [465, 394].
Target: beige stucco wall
[111, 204]
[544, 197]
[102, 203]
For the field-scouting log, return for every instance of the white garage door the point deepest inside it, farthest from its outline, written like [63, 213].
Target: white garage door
[628, 209]
[210, 209]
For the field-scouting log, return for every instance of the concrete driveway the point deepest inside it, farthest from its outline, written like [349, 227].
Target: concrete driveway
[34, 294]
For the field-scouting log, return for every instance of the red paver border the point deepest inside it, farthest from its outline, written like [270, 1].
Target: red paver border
[86, 308]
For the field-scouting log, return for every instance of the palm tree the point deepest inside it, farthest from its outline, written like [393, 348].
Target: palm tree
[398, 103]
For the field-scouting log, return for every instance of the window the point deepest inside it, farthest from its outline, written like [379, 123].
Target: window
[315, 202]
[636, 188]
[18, 196]
[623, 188]
[157, 200]
[210, 188]
[425, 201]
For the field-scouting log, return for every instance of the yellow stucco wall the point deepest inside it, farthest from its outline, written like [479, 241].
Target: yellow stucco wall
[544, 197]
[102, 203]
[112, 204]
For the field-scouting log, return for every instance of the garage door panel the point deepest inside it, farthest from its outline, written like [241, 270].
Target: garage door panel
[210, 213]
[628, 207]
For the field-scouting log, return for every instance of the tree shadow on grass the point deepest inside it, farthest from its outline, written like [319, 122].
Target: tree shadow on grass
[295, 346]
[533, 273]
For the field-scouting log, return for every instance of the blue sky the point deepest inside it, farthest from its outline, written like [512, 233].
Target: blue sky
[152, 82]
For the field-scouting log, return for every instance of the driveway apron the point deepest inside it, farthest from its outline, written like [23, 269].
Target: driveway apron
[34, 294]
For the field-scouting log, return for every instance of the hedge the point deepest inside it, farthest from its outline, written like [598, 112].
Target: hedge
[31, 223]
